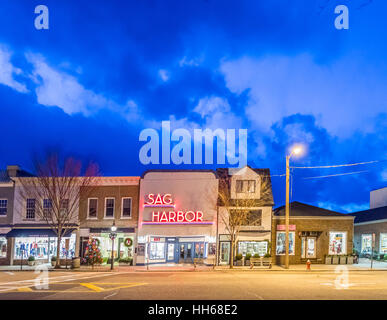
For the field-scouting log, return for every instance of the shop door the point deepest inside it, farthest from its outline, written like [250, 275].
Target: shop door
[171, 252]
[308, 247]
[224, 252]
[185, 255]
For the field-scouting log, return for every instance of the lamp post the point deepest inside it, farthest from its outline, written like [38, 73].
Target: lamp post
[112, 236]
[296, 151]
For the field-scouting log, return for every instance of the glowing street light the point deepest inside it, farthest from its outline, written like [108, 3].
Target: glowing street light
[296, 150]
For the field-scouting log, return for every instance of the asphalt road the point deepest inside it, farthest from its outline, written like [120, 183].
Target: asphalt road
[214, 285]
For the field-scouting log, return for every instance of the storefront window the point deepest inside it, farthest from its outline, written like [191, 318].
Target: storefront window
[337, 243]
[252, 247]
[157, 250]
[123, 245]
[41, 248]
[383, 243]
[199, 250]
[212, 249]
[366, 243]
[281, 243]
[3, 247]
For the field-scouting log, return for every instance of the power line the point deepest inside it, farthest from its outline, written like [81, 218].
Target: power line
[336, 175]
[338, 165]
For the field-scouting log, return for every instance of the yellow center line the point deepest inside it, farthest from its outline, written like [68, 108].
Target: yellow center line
[92, 287]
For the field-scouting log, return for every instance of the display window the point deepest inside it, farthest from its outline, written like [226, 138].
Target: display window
[3, 247]
[383, 243]
[43, 247]
[366, 243]
[337, 243]
[123, 245]
[252, 247]
[281, 243]
[156, 250]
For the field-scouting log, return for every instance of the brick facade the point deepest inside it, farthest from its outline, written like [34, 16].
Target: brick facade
[322, 226]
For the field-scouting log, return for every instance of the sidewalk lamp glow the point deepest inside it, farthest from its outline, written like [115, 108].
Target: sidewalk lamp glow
[295, 150]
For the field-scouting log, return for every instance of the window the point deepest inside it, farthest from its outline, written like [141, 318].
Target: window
[64, 206]
[366, 243]
[248, 218]
[93, 205]
[383, 243]
[30, 209]
[252, 247]
[47, 208]
[156, 250]
[281, 243]
[3, 247]
[337, 243]
[126, 207]
[109, 207]
[254, 218]
[3, 207]
[245, 186]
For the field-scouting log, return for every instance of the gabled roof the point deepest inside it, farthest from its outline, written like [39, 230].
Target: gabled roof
[370, 215]
[299, 209]
[4, 177]
[225, 183]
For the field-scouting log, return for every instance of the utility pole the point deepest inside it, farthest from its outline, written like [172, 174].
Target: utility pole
[287, 214]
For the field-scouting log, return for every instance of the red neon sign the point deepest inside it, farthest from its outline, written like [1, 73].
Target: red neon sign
[171, 217]
[177, 216]
[159, 200]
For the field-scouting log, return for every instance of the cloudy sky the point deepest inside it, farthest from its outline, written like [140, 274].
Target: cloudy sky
[106, 70]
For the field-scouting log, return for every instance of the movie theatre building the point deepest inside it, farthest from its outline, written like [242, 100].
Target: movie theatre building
[177, 216]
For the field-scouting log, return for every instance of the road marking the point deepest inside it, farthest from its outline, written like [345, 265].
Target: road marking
[92, 287]
[25, 289]
[11, 286]
[110, 295]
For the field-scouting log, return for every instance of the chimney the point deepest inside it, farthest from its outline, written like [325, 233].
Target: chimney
[12, 171]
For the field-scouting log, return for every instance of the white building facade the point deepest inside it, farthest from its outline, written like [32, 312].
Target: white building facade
[177, 217]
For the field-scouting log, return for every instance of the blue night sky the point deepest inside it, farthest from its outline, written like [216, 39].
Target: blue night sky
[105, 70]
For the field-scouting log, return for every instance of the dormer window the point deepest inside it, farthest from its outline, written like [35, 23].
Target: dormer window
[245, 186]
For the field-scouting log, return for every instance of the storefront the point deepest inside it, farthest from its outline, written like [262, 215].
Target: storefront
[371, 231]
[314, 233]
[123, 242]
[177, 219]
[40, 244]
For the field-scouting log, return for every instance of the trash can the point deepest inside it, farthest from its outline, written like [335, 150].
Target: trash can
[76, 263]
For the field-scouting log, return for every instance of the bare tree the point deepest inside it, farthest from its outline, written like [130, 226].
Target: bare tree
[54, 193]
[238, 212]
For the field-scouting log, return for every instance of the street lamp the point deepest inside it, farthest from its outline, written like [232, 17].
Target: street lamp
[296, 150]
[112, 236]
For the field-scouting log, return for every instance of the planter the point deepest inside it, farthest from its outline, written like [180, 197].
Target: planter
[75, 263]
[53, 263]
[328, 260]
[350, 260]
[343, 260]
[31, 263]
[247, 262]
[238, 263]
[335, 260]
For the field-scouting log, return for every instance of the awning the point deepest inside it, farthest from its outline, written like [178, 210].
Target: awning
[15, 233]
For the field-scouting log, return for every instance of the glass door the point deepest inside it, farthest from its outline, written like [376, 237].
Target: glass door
[185, 255]
[308, 247]
[171, 252]
[224, 252]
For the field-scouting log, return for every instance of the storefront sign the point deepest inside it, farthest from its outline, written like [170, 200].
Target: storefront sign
[158, 200]
[171, 217]
[282, 227]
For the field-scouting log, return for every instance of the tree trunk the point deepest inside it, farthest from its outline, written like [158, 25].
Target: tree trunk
[57, 265]
[232, 252]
